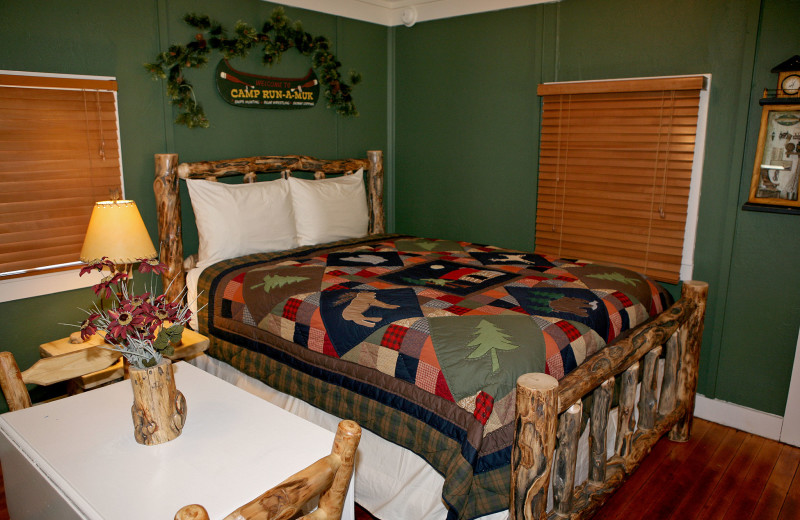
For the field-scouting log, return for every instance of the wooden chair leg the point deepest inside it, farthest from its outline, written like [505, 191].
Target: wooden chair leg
[328, 478]
[348, 435]
[192, 512]
[14, 388]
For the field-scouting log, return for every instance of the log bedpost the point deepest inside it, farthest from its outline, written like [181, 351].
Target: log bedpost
[666, 403]
[690, 336]
[626, 421]
[647, 397]
[377, 220]
[598, 427]
[534, 444]
[564, 465]
[170, 229]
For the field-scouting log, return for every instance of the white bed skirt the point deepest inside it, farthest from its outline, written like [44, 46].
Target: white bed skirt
[391, 482]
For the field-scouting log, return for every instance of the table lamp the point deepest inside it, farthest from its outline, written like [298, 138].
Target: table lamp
[116, 231]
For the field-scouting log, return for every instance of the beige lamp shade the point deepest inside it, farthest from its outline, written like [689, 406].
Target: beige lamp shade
[116, 230]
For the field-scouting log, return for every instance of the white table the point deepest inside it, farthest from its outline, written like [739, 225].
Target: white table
[77, 458]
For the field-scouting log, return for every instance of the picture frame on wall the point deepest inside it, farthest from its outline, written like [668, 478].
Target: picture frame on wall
[776, 172]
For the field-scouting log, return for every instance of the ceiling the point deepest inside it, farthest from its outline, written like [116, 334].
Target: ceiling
[405, 12]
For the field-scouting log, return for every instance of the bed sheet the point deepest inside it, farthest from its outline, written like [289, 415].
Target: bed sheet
[390, 481]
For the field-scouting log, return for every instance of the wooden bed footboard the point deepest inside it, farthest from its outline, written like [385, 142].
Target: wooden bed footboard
[168, 202]
[548, 420]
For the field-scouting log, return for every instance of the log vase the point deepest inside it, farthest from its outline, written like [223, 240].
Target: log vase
[159, 409]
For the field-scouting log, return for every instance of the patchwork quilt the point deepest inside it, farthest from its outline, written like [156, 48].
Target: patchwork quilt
[420, 340]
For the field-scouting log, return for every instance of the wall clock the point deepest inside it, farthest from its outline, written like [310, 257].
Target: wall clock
[788, 77]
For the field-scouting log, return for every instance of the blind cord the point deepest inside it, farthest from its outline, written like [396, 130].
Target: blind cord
[564, 184]
[663, 202]
[100, 126]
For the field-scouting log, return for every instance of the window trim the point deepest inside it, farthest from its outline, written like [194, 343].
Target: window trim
[14, 287]
[44, 284]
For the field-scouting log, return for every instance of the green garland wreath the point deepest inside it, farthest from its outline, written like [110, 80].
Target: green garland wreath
[277, 35]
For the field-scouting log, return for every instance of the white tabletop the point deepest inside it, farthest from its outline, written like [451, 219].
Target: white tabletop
[234, 447]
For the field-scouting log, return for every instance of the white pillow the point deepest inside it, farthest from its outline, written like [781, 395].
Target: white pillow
[241, 219]
[329, 209]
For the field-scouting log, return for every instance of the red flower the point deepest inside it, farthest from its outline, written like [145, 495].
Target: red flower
[124, 322]
[105, 284]
[98, 266]
[148, 265]
[89, 327]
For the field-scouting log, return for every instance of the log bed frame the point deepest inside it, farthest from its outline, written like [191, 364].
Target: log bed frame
[548, 412]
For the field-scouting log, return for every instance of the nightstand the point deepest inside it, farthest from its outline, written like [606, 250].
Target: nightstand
[192, 343]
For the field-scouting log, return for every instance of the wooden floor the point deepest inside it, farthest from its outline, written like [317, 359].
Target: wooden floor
[720, 474]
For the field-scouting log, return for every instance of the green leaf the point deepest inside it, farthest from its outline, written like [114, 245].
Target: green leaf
[174, 333]
[162, 340]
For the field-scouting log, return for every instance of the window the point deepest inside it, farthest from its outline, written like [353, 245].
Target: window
[59, 154]
[619, 172]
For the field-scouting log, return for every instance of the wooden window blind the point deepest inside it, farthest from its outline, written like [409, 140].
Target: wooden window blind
[59, 154]
[615, 169]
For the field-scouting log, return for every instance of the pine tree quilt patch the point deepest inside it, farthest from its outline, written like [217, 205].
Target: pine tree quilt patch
[458, 320]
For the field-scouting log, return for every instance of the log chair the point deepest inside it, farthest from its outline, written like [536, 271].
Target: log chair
[327, 478]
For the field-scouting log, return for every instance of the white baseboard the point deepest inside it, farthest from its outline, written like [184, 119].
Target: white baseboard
[740, 417]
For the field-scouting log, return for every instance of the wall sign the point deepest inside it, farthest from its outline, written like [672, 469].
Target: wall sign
[246, 90]
[277, 35]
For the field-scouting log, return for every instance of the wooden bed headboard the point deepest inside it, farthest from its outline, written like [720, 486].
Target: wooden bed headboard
[168, 202]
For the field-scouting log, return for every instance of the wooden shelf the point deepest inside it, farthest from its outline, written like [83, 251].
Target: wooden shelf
[769, 208]
[192, 343]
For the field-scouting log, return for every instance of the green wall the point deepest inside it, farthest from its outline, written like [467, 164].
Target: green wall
[114, 38]
[762, 311]
[454, 104]
[467, 136]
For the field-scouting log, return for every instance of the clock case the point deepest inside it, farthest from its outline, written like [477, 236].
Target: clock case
[790, 67]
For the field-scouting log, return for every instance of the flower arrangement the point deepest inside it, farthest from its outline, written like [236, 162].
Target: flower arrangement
[143, 327]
